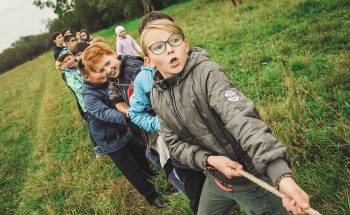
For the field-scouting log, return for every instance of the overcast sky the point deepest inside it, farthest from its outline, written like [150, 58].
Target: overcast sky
[20, 18]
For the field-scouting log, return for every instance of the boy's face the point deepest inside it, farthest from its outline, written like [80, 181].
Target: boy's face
[68, 62]
[59, 40]
[67, 33]
[78, 56]
[71, 42]
[173, 59]
[83, 36]
[107, 66]
[122, 34]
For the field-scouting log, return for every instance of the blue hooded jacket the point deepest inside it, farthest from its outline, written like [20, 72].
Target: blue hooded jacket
[140, 111]
[108, 126]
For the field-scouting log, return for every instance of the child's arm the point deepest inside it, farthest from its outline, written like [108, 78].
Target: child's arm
[140, 117]
[242, 120]
[136, 46]
[122, 107]
[119, 48]
[193, 155]
[95, 106]
[140, 102]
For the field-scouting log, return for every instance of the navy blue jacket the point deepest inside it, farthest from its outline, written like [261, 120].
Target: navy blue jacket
[108, 126]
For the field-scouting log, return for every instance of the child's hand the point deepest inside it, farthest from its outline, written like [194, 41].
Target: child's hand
[225, 165]
[146, 61]
[294, 198]
[122, 107]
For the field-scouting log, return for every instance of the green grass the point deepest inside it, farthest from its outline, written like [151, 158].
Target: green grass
[290, 57]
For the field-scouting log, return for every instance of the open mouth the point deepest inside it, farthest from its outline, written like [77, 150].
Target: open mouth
[174, 62]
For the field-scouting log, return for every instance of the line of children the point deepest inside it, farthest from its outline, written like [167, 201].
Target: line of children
[204, 122]
[65, 40]
[68, 63]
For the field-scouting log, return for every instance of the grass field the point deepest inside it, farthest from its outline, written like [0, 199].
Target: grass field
[292, 58]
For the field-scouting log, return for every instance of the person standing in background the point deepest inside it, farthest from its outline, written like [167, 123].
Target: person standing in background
[125, 44]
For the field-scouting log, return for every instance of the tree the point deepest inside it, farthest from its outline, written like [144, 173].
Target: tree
[147, 6]
[60, 7]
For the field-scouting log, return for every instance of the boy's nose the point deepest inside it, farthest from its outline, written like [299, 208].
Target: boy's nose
[110, 71]
[169, 49]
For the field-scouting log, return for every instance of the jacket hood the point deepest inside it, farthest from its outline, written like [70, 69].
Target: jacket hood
[195, 57]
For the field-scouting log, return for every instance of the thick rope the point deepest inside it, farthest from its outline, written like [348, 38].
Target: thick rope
[271, 189]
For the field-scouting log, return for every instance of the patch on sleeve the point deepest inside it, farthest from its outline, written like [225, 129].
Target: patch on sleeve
[231, 95]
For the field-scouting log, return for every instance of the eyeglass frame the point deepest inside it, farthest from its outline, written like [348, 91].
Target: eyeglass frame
[165, 42]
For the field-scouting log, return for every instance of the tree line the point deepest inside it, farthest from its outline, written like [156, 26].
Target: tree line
[76, 14]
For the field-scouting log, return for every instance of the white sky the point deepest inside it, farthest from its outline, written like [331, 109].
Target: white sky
[20, 18]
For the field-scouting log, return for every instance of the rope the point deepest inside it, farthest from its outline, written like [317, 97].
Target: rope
[271, 189]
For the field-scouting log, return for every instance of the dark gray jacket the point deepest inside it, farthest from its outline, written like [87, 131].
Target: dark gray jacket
[130, 66]
[189, 103]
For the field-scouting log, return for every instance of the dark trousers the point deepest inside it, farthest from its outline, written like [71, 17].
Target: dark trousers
[193, 181]
[132, 162]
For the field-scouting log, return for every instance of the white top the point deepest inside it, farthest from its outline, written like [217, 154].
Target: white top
[127, 46]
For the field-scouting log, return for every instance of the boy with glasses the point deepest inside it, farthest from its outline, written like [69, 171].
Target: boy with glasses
[142, 114]
[210, 125]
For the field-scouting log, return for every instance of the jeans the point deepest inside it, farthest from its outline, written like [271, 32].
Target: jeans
[152, 155]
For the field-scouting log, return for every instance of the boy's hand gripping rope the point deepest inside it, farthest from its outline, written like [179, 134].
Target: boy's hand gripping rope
[271, 189]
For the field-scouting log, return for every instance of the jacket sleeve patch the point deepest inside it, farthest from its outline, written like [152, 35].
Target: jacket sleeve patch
[231, 95]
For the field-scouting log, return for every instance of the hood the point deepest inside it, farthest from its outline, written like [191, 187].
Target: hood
[195, 57]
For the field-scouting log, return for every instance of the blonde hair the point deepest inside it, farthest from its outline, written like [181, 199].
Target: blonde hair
[93, 55]
[98, 39]
[160, 24]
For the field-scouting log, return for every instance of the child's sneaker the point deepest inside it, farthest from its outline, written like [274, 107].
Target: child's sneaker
[98, 152]
[159, 203]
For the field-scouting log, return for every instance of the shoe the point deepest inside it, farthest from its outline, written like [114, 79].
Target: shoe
[98, 155]
[158, 203]
[171, 189]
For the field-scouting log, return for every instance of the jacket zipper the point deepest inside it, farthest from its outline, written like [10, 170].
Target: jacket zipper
[175, 109]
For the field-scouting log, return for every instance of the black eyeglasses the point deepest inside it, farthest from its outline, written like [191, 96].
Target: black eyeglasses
[159, 47]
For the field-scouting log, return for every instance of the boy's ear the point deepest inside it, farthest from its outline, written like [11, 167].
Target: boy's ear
[187, 46]
[147, 62]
